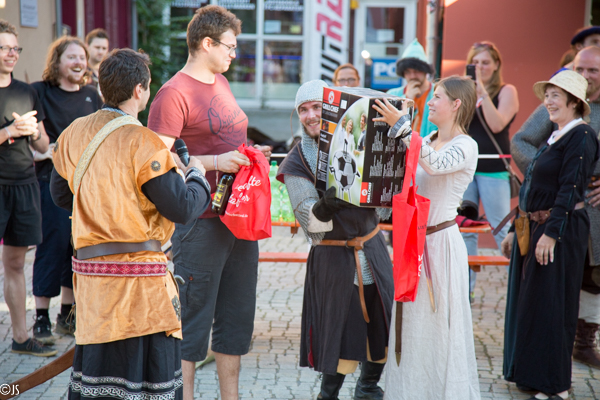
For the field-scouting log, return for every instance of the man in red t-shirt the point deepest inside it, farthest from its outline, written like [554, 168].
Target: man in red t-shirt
[220, 271]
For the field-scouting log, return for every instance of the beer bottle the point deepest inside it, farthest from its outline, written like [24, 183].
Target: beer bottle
[221, 198]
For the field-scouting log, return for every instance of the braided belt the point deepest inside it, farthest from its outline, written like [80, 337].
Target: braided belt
[119, 268]
[357, 244]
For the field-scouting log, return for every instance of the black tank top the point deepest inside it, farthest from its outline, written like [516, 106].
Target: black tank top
[477, 132]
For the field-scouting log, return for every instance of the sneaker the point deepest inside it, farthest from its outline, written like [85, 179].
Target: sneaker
[65, 325]
[42, 330]
[33, 347]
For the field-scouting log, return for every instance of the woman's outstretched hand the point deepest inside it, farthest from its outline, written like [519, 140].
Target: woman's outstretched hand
[389, 114]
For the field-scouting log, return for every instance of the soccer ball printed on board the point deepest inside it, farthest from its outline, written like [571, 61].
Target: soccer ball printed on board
[355, 154]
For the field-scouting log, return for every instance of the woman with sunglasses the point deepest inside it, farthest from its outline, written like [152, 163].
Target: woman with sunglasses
[497, 105]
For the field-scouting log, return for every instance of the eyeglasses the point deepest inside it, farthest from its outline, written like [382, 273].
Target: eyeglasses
[7, 49]
[231, 49]
[349, 81]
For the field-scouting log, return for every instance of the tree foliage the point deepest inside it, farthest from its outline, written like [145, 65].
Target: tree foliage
[154, 38]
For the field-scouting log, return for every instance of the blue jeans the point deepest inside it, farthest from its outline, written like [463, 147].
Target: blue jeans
[495, 197]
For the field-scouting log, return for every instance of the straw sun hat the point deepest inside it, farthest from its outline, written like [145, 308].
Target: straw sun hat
[569, 81]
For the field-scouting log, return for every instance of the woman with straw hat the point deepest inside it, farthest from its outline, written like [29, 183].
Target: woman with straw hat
[547, 245]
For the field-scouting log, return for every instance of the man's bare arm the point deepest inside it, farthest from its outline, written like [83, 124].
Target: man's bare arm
[226, 162]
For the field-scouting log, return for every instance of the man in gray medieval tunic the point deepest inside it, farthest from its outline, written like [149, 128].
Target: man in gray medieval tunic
[348, 292]
[536, 131]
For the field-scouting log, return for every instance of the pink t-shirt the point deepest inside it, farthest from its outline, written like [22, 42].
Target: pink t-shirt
[205, 116]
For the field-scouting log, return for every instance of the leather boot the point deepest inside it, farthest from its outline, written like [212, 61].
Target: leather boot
[330, 386]
[585, 350]
[366, 386]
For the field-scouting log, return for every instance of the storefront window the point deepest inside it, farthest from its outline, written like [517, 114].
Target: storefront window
[385, 25]
[275, 72]
[242, 72]
[282, 67]
[283, 17]
[245, 10]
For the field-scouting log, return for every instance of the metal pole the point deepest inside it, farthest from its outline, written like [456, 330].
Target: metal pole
[58, 23]
[431, 30]
[134, 26]
[80, 12]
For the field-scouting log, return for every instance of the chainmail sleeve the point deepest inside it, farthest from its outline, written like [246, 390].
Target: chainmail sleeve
[535, 131]
[303, 196]
[401, 128]
[383, 213]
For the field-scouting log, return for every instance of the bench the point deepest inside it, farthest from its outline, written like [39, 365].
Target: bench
[475, 262]
[387, 227]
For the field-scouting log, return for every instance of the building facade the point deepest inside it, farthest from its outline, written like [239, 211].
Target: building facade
[40, 22]
[285, 43]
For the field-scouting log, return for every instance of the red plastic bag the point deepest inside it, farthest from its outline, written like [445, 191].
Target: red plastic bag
[410, 213]
[248, 212]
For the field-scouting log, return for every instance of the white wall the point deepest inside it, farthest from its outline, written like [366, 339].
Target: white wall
[35, 41]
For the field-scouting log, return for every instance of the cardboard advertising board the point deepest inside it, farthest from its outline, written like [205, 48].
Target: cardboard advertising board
[355, 154]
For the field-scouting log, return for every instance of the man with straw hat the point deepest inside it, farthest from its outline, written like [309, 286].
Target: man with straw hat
[525, 143]
[415, 70]
[547, 245]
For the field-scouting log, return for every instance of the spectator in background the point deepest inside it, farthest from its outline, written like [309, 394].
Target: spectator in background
[414, 68]
[567, 58]
[20, 218]
[497, 106]
[64, 98]
[346, 75]
[97, 46]
[584, 37]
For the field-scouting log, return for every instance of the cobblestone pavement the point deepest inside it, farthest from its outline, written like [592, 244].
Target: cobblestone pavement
[270, 370]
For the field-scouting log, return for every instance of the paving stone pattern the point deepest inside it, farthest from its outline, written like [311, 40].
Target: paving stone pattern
[270, 370]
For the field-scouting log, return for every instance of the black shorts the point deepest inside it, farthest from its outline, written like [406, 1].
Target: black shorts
[52, 266]
[220, 274]
[20, 215]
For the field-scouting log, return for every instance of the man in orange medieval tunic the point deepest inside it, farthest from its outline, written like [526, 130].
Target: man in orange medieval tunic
[120, 180]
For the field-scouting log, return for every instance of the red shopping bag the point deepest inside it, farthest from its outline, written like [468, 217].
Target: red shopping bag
[248, 212]
[410, 213]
